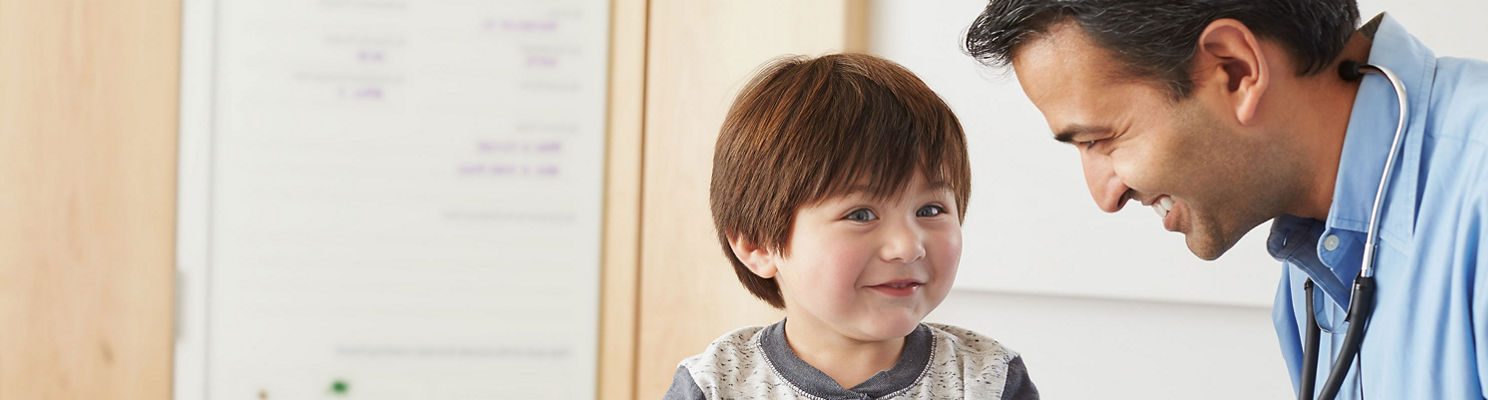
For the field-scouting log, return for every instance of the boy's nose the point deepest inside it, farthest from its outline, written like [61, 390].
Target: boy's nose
[904, 244]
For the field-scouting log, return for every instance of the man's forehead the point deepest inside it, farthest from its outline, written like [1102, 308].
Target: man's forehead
[1070, 79]
[1056, 36]
[1065, 60]
[1061, 52]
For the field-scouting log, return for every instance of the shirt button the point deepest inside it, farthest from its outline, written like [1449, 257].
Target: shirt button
[1330, 243]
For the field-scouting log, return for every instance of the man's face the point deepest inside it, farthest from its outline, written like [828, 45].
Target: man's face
[1206, 176]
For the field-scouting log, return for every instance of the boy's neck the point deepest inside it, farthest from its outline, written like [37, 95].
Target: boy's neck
[847, 361]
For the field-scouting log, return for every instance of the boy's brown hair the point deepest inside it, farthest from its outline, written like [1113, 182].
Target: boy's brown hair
[805, 129]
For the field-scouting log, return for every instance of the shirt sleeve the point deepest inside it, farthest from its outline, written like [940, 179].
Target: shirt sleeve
[683, 387]
[1018, 386]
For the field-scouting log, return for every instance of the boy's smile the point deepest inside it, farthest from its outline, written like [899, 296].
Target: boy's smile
[899, 287]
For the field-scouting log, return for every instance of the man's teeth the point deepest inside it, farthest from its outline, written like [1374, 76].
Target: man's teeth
[1163, 206]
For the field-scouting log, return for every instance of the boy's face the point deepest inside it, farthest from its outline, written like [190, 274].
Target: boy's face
[871, 269]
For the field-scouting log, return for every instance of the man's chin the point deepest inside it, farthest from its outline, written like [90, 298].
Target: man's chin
[1207, 248]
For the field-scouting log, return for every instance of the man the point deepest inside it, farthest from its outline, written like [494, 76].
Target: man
[1223, 114]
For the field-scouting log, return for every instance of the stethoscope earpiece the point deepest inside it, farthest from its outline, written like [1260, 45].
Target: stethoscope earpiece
[1349, 70]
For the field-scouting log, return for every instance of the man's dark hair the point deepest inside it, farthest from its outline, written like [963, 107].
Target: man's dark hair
[1157, 39]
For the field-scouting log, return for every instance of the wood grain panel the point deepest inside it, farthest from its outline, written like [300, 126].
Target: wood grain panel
[88, 96]
[617, 340]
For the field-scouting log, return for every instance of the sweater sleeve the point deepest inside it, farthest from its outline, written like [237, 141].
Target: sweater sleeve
[1018, 386]
[684, 388]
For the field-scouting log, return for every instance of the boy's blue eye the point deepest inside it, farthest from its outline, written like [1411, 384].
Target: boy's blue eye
[929, 211]
[862, 215]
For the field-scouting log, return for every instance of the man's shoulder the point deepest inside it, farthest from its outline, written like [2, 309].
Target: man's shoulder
[1457, 71]
[1458, 106]
[1456, 130]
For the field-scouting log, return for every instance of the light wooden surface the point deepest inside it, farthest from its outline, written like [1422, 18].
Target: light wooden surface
[700, 53]
[617, 339]
[88, 94]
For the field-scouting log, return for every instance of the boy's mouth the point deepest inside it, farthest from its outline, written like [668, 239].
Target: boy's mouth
[898, 288]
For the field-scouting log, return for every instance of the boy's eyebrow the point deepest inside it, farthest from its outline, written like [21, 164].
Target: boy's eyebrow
[1068, 134]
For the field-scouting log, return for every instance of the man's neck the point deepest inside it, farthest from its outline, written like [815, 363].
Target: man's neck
[847, 361]
[1331, 99]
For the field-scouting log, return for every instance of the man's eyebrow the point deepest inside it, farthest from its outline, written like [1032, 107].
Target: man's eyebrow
[1068, 134]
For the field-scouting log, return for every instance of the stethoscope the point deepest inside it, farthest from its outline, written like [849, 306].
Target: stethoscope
[1361, 305]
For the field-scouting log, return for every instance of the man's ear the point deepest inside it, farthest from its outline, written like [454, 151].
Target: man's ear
[1230, 56]
[760, 260]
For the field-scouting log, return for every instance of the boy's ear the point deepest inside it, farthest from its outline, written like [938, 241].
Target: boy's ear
[759, 259]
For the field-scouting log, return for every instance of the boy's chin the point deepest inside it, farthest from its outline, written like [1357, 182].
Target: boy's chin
[892, 326]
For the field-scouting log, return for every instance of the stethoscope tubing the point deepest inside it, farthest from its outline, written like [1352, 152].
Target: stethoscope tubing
[1361, 303]
[1372, 238]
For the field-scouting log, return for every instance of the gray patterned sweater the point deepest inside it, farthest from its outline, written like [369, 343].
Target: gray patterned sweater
[938, 362]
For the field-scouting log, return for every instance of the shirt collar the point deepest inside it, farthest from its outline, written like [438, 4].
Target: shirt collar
[1295, 240]
[1371, 129]
[913, 360]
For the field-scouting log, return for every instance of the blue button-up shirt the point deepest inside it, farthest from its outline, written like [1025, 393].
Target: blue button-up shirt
[1428, 338]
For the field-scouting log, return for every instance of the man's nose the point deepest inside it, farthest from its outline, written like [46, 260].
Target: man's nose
[1105, 186]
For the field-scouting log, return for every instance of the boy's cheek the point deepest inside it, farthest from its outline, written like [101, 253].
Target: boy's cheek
[946, 256]
[949, 241]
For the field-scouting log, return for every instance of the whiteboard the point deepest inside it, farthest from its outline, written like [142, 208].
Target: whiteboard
[390, 199]
[1031, 226]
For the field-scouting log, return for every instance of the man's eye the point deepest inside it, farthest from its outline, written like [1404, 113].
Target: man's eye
[1090, 143]
[929, 211]
[862, 215]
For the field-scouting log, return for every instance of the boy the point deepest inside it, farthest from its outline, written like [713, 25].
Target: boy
[839, 185]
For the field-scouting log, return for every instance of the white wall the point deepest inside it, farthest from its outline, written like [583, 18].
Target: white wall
[1132, 326]
[1089, 348]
